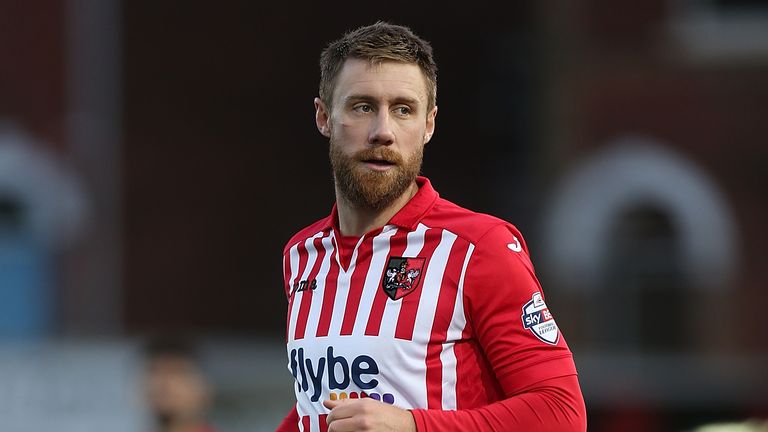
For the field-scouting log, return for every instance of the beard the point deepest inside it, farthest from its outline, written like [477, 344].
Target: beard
[365, 188]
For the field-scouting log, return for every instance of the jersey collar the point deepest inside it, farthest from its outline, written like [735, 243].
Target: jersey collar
[410, 215]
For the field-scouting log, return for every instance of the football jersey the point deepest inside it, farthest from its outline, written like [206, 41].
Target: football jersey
[438, 309]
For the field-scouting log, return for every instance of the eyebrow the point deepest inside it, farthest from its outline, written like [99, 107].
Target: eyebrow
[367, 98]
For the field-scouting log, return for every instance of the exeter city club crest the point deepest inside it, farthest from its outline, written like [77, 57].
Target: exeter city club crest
[402, 276]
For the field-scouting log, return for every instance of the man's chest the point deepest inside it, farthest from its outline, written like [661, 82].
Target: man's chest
[401, 285]
[376, 325]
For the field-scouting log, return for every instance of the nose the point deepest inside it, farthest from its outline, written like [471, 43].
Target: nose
[381, 131]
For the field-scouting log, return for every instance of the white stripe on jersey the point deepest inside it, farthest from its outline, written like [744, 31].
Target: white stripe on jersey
[294, 263]
[373, 278]
[456, 328]
[425, 314]
[416, 349]
[415, 241]
[342, 288]
[297, 296]
[283, 268]
[317, 296]
[301, 414]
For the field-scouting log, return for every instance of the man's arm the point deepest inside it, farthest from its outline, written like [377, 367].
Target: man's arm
[555, 404]
[530, 361]
[552, 405]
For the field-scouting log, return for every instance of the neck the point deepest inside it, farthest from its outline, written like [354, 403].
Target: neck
[356, 221]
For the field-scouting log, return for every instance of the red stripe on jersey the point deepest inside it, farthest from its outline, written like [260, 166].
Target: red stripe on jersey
[308, 293]
[287, 295]
[293, 285]
[329, 294]
[288, 319]
[305, 423]
[323, 423]
[410, 303]
[290, 284]
[473, 368]
[301, 250]
[443, 316]
[356, 283]
[286, 288]
[398, 244]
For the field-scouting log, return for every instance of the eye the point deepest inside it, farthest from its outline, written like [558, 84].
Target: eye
[363, 108]
[403, 111]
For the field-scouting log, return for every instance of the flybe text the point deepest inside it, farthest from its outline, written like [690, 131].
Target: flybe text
[337, 370]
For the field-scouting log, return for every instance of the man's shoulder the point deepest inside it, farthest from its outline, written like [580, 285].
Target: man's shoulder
[488, 234]
[465, 223]
[306, 232]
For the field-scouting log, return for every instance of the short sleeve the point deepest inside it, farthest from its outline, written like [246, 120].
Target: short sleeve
[508, 314]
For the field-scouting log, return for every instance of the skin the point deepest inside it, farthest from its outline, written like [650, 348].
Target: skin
[376, 105]
[381, 105]
[176, 391]
[367, 415]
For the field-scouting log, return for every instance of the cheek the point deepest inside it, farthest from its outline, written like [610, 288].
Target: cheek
[352, 129]
[349, 136]
[413, 135]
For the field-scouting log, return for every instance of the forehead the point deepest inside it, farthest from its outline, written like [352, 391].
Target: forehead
[386, 79]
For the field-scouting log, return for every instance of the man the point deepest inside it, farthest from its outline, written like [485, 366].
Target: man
[407, 312]
[176, 391]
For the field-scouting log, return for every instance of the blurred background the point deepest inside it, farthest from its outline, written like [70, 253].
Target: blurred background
[155, 157]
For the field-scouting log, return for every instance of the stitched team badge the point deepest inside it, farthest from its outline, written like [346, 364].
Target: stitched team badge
[402, 276]
[537, 318]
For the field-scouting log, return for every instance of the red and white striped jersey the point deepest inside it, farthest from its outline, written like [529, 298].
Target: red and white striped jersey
[438, 309]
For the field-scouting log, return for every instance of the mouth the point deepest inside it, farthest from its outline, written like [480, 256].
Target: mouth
[378, 164]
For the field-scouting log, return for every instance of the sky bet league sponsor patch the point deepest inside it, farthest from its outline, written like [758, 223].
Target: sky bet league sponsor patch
[539, 321]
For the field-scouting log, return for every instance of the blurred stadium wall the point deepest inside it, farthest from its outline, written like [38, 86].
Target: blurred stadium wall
[154, 157]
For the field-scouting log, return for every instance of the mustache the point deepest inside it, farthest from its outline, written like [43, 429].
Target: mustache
[379, 153]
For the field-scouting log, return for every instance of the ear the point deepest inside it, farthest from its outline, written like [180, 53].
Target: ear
[322, 116]
[430, 129]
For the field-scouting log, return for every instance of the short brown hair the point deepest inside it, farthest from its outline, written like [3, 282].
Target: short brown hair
[376, 43]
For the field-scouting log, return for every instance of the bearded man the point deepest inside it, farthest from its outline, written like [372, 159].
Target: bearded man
[469, 343]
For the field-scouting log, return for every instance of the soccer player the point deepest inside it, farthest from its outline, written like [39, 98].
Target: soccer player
[407, 312]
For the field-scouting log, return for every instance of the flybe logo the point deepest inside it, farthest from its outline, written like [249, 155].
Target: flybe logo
[339, 373]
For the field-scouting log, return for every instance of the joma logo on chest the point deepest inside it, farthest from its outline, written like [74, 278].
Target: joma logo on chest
[306, 284]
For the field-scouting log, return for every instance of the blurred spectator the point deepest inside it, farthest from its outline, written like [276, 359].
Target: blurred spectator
[177, 393]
